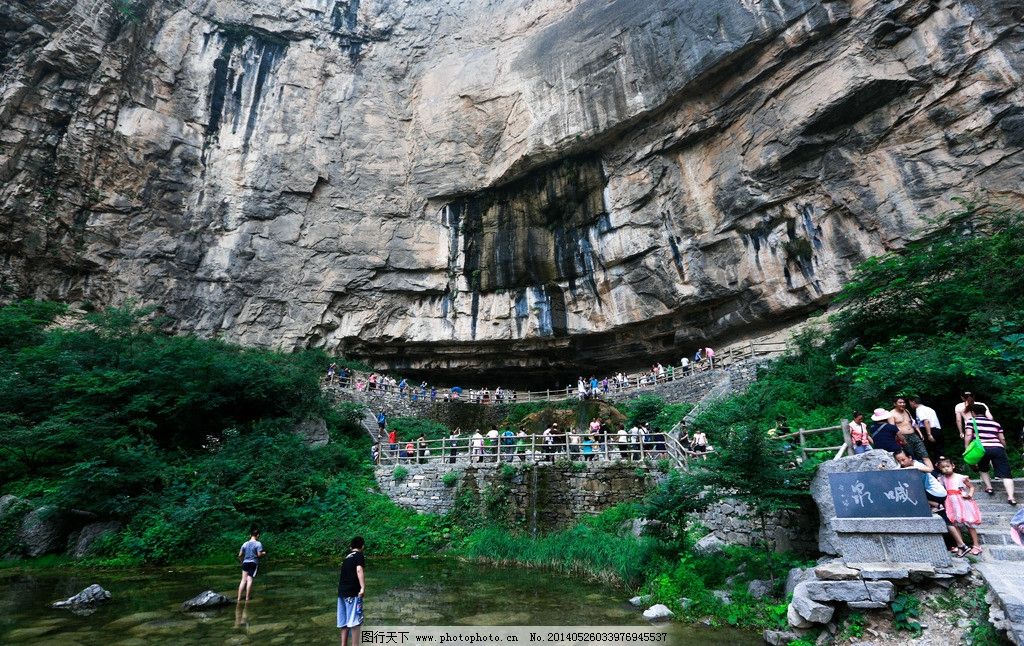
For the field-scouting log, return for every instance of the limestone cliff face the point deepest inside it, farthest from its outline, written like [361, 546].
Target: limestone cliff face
[476, 184]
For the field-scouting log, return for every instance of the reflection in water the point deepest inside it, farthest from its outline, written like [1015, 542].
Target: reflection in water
[297, 604]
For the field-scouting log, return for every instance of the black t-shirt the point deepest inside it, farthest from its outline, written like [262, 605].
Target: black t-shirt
[348, 582]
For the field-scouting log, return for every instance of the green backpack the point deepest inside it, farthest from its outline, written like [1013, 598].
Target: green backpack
[975, 450]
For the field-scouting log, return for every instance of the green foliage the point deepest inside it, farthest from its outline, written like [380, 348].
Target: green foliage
[670, 415]
[409, 428]
[695, 578]
[585, 549]
[187, 441]
[854, 627]
[399, 474]
[643, 410]
[898, 333]
[450, 479]
[905, 611]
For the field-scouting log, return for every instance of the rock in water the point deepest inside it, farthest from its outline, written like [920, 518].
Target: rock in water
[204, 600]
[88, 597]
[638, 602]
[658, 612]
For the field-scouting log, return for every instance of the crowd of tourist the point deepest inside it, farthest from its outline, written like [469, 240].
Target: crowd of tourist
[590, 388]
[911, 431]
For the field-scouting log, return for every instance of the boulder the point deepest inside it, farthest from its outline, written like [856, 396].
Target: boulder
[8, 505]
[43, 531]
[90, 534]
[205, 600]
[880, 591]
[759, 588]
[828, 541]
[88, 597]
[722, 596]
[810, 609]
[709, 545]
[795, 620]
[835, 571]
[796, 575]
[313, 431]
[658, 612]
[640, 602]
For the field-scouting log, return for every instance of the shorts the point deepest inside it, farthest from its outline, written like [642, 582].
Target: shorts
[915, 447]
[995, 456]
[250, 568]
[350, 612]
[863, 448]
[700, 448]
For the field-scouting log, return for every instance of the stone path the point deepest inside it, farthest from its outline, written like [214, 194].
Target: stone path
[1002, 564]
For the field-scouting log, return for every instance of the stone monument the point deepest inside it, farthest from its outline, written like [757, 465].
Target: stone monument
[872, 511]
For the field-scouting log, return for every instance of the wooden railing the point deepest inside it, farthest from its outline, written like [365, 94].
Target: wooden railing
[637, 382]
[802, 436]
[605, 447]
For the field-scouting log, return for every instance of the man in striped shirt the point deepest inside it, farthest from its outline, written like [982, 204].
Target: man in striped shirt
[990, 434]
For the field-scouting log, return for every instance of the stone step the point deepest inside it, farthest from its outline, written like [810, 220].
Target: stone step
[1006, 553]
[992, 537]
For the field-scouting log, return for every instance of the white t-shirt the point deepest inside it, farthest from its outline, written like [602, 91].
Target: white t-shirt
[962, 414]
[927, 414]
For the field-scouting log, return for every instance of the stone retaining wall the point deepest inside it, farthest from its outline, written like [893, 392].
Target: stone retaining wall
[795, 531]
[542, 496]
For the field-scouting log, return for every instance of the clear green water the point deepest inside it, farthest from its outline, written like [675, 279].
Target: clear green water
[295, 604]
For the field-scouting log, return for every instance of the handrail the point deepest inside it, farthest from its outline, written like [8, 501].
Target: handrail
[577, 447]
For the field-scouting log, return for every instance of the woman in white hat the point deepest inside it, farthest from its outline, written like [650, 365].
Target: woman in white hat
[884, 434]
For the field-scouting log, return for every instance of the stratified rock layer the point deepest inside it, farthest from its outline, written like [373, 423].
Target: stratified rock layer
[468, 185]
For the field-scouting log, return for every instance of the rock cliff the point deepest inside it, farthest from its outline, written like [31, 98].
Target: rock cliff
[477, 185]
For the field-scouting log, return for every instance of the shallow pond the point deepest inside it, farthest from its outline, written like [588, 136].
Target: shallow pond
[294, 604]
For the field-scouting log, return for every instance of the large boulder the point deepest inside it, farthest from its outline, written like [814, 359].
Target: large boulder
[810, 610]
[91, 533]
[828, 541]
[796, 575]
[759, 588]
[205, 600]
[9, 505]
[43, 531]
[88, 597]
[709, 545]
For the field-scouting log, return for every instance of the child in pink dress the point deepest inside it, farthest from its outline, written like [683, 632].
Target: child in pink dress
[961, 509]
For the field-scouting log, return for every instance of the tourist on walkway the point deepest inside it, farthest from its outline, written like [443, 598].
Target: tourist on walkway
[684, 363]
[964, 411]
[961, 508]
[453, 445]
[700, 443]
[549, 443]
[410, 452]
[709, 354]
[573, 437]
[351, 590]
[492, 444]
[883, 434]
[393, 443]
[622, 442]
[859, 434]
[928, 423]
[508, 444]
[634, 442]
[588, 448]
[382, 419]
[990, 434]
[909, 434]
[249, 555]
[477, 447]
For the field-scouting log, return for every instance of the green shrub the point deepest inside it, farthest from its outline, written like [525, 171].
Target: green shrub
[399, 474]
[905, 611]
[450, 479]
[643, 410]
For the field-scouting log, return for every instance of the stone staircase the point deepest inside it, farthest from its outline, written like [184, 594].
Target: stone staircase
[1001, 563]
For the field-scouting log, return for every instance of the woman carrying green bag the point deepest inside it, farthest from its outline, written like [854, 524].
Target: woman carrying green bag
[990, 435]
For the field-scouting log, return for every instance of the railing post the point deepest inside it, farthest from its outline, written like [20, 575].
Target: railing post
[847, 438]
[803, 443]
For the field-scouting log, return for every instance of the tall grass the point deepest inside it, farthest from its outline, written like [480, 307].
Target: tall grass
[582, 550]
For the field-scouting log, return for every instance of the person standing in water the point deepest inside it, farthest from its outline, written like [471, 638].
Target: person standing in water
[351, 587]
[250, 554]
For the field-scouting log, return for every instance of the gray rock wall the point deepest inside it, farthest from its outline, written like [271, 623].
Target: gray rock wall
[490, 187]
[795, 531]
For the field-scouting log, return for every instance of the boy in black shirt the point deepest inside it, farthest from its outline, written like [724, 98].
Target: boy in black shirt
[351, 586]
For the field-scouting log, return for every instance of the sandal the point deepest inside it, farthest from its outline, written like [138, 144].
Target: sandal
[962, 551]
[976, 551]
[990, 492]
[1012, 502]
